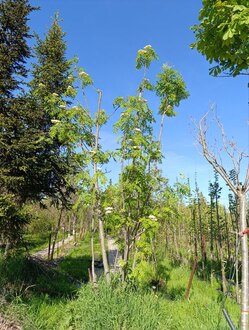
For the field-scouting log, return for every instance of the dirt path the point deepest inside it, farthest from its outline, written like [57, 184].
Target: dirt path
[113, 255]
[43, 254]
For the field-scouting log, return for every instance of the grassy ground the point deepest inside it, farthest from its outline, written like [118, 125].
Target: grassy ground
[38, 242]
[44, 298]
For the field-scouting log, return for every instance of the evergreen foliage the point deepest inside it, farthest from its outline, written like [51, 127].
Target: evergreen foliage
[18, 132]
[14, 49]
[51, 89]
[35, 161]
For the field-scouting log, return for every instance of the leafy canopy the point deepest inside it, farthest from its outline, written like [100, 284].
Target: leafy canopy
[222, 35]
[171, 89]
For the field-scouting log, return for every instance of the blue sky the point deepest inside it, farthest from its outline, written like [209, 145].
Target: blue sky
[106, 34]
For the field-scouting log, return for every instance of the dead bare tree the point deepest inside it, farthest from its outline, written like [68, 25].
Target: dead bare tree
[213, 156]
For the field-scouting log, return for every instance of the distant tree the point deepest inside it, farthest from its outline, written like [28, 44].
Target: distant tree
[215, 193]
[222, 35]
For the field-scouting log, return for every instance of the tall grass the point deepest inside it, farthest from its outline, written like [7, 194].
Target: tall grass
[112, 307]
[109, 307]
[117, 307]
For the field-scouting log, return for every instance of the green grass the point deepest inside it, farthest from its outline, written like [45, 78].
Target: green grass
[116, 307]
[37, 242]
[203, 310]
[55, 303]
[78, 260]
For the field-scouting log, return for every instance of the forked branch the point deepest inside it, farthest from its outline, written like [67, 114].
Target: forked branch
[214, 158]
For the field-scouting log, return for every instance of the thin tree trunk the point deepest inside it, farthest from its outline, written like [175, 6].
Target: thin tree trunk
[55, 235]
[195, 230]
[81, 233]
[211, 240]
[93, 275]
[134, 259]
[74, 228]
[223, 273]
[176, 244]
[49, 245]
[69, 226]
[63, 236]
[227, 236]
[201, 236]
[103, 249]
[126, 253]
[97, 192]
[153, 250]
[161, 128]
[7, 248]
[237, 270]
[245, 269]
[166, 240]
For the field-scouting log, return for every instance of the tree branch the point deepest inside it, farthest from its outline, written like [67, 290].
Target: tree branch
[215, 160]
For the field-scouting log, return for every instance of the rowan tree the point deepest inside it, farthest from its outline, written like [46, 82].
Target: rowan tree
[140, 152]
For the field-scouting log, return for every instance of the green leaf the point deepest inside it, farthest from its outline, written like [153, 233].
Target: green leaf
[228, 35]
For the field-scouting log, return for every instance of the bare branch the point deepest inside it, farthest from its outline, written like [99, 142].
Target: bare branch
[214, 159]
[246, 184]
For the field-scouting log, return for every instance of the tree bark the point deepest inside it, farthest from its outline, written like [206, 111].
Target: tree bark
[55, 235]
[244, 257]
[98, 213]
[126, 253]
[7, 248]
[223, 273]
[93, 275]
[103, 250]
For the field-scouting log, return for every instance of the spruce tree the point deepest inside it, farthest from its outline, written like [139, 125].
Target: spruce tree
[32, 164]
[52, 73]
[14, 50]
[51, 88]
[16, 131]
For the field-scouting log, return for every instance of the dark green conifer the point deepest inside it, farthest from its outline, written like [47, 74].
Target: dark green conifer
[32, 164]
[18, 134]
[51, 88]
[16, 131]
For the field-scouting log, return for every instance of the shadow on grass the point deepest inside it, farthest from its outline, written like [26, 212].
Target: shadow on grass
[175, 293]
[26, 276]
[76, 267]
[35, 242]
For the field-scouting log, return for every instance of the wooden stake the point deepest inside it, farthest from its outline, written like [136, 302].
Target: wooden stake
[191, 278]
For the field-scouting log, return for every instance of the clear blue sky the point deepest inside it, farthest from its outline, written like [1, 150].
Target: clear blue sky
[106, 34]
